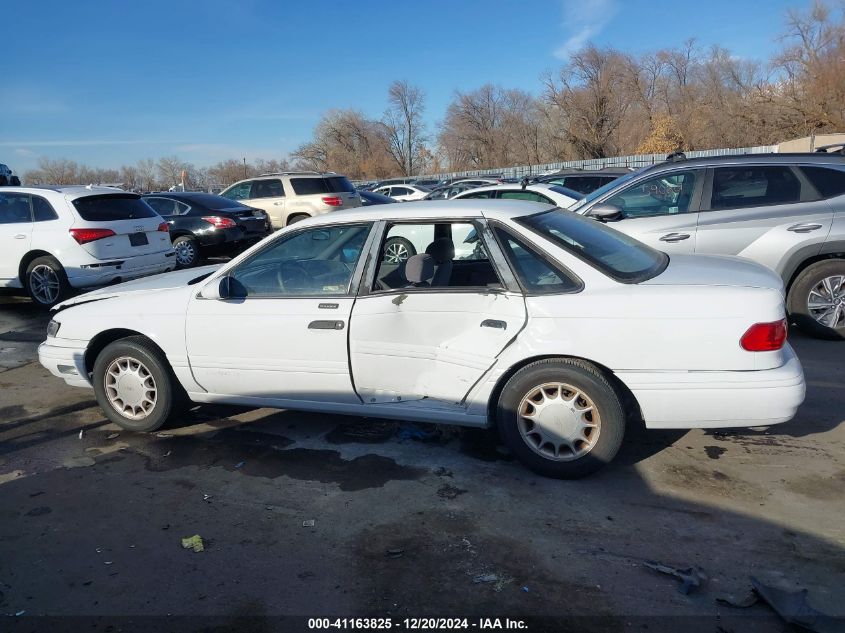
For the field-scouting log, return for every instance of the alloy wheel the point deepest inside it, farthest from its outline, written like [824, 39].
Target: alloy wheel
[45, 284]
[396, 253]
[558, 421]
[185, 253]
[130, 388]
[826, 301]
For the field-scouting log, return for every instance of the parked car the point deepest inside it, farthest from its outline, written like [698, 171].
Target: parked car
[202, 224]
[59, 238]
[370, 197]
[547, 194]
[786, 211]
[447, 192]
[533, 335]
[7, 176]
[291, 196]
[584, 182]
[427, 182]
[476, 182]
[404, 193]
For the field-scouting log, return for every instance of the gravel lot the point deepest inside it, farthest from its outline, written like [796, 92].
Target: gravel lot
[408, 521]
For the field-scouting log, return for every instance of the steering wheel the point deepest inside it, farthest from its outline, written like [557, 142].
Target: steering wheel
[292, 276]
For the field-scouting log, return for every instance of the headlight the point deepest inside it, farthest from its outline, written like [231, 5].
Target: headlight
[53, 328]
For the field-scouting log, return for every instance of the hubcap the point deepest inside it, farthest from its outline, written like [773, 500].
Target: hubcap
[826, 301]
[44, 283]
[185, 252]
[395, 253]
[559, 422]
[130, 388]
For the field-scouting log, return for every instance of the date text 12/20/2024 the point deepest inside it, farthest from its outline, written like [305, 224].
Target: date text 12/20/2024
[417, 624]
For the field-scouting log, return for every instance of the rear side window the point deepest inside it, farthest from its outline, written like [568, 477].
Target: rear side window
[535, 273]
[531, 196]
[316, 186]
[828, 181]
[42, 211]
[112, 207]
[750, 186]
[267, 189]
[14, 208]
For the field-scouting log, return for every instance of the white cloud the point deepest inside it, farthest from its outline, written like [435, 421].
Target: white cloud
[81, 143]
[24, 152]
[583, 20]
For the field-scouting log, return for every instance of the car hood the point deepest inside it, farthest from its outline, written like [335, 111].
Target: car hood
[715, 270]
[154, 283]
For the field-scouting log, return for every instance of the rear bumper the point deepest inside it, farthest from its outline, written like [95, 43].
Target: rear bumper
[104, 273]
[65, 359]
[719, 399]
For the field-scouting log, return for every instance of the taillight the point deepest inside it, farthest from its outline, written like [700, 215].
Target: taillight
[220, 223]
[764, 337]
[83, 236]
[333, 201]
[164, 227]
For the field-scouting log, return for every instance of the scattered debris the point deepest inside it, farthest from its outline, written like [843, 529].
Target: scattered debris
[309, 523]
[164, 435]
[440, 471]
[498, 580]
[794, 608]
[449, 492]
[20, 613]
[206, 497]
[525, 589]
[748, 600]
[81, 433]
[240, 464]
[485, 578]
[193, 542]
[411, 432]
[395, 553]
[167, 454]
[113, 436]
[691, 578]
[108, 562]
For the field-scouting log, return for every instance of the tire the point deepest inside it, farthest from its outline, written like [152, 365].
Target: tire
[3, 181]
[46, 282]
[815, 283]
[136, 355]
[298, 217]
[15, 181]
[397, 250]
[187, 251]
[542, 383]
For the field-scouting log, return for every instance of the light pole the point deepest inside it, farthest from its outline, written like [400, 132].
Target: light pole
[244, 167]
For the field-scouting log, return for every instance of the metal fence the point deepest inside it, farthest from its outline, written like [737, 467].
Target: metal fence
[636, 161]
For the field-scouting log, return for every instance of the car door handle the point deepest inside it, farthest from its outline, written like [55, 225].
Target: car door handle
[278, 204]
[326, 325]
[20, 236]
[675, 237]
[804, 228]
[500, 325]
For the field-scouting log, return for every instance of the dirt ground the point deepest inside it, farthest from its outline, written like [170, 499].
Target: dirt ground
[306, 515]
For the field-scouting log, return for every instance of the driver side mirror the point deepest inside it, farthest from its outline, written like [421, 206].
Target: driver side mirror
[607, 213]
[218, 289]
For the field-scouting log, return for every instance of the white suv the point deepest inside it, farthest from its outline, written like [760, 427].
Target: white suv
[55, 239]
[291, 196]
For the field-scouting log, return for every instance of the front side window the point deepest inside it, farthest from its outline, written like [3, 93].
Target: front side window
[617, 255]
[112, 207]
[478, 194]
[240, 191]
[267, 188]
[313, 262]
[14, 208]
[666, 194]
[535, 273]
[400, 191]
[752, 186]
[167, 206]
[42, 211]
[828, 181]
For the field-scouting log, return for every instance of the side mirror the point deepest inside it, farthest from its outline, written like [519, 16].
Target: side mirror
[606, 213]
[218, 289]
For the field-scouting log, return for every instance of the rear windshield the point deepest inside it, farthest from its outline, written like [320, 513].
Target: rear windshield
[215, 203]
[604, 189]
[112, 207]
[566, 191]
[329, 184]
[617, 255]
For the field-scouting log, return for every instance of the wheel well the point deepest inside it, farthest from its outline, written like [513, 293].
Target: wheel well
[26, 260]
[633, 413]
[297, 215]
[99, 343]
[809, 262]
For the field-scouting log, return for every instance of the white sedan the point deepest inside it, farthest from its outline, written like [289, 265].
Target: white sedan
[539, 192]
[403, 192]
[559, 331]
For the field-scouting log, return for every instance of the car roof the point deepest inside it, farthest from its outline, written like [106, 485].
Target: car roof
[70, 191]
[535, 186]
[805, 158]
[433, 210]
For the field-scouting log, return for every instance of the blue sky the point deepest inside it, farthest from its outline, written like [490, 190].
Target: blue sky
[107, 83]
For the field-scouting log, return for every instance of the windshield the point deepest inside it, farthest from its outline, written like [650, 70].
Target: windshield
[617, 255]
[603, 190]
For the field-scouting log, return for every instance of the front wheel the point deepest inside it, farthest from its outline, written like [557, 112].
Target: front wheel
[561, 418]
[816, 300]
[134, 385]
[46, 281]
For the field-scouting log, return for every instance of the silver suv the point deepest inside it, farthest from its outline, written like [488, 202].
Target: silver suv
[786, 211]
[291, 196]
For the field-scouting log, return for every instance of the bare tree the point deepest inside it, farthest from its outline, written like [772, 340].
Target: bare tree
[403, 125]
[147, 174]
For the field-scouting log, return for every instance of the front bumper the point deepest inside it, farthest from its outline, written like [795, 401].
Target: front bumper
[719, 399]
[104, 273]
[65, 359]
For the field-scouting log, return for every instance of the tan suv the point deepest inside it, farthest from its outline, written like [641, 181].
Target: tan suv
[291, 196]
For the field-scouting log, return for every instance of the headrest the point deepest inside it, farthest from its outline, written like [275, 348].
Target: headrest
[442, 249]
[419, 268]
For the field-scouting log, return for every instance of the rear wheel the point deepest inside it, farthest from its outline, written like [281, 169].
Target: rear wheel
[15, 181]
[187, 251]
[816, 300]
[397, 250]
[46, 281]
[561, 418]
[134, 386]
[297, 218]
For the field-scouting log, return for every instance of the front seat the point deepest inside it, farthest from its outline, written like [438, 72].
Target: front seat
[419, 271]
[442, 250]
